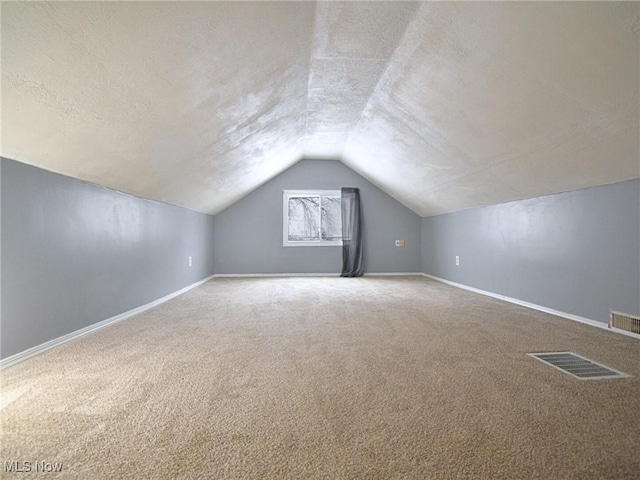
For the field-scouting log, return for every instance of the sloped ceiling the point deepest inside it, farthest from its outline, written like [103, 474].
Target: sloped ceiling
[445, 106]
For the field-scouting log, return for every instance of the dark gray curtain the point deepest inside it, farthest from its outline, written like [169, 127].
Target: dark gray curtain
[352, 251]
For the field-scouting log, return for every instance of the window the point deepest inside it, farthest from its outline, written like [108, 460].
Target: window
[311, 218]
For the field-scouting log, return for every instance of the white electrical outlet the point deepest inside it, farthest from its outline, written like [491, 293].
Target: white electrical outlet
[457, 260]
[189, 260]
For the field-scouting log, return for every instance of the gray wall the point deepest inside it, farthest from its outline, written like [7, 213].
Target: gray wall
[74, 254]
[248, 235]
[577, 252]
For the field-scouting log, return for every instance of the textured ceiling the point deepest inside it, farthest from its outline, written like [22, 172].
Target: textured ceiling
[445, 106]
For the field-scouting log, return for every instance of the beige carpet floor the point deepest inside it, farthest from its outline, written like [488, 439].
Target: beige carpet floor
[377, 378]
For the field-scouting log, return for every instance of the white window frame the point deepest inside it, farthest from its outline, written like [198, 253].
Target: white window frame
[286, 195]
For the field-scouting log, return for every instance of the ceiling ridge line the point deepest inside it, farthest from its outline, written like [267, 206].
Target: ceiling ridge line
[305, 123]
[410, 30]
[466, 159]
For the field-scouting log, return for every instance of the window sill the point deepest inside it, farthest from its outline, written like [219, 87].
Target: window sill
[312, 244]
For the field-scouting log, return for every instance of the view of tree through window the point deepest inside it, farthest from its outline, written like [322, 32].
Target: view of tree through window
[313, 217]
[331, 221]
[304, 221]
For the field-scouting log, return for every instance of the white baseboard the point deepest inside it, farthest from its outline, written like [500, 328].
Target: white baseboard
[271, 275]
[624, 332]
[56, 342]
[575, 318]
[394, 274]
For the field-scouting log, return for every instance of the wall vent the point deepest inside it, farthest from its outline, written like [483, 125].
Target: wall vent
[577, 366]
[625, 321]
